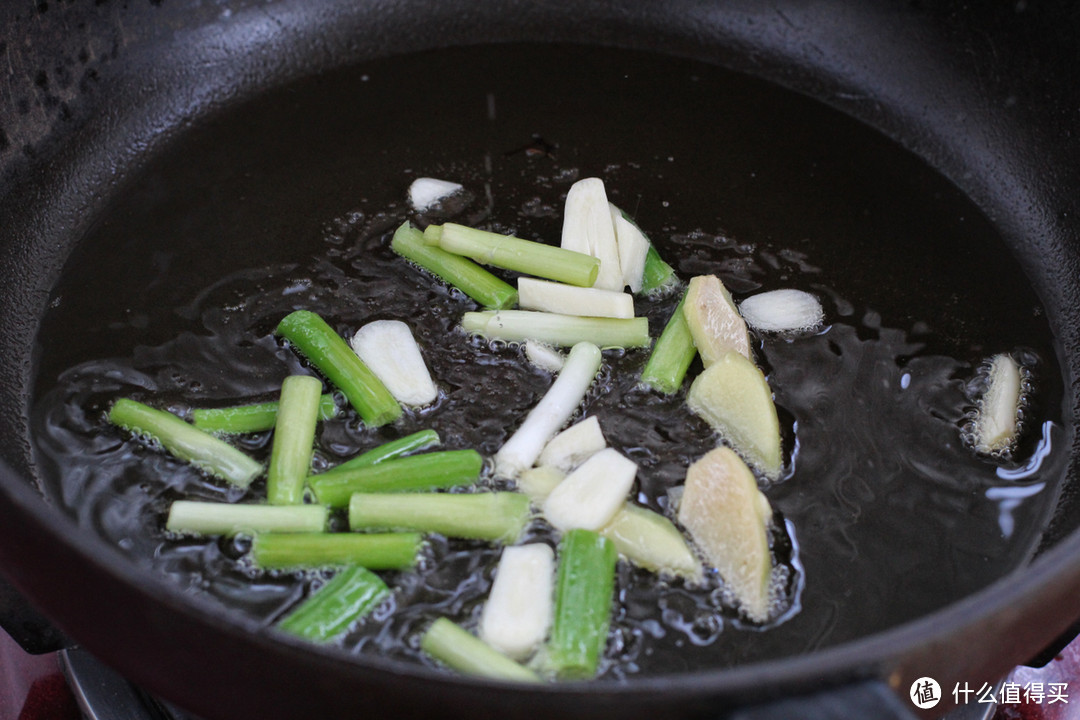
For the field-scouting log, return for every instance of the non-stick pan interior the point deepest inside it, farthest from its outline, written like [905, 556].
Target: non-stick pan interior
[287, 201]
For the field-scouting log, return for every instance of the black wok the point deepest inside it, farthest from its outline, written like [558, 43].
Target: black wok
[987, 98]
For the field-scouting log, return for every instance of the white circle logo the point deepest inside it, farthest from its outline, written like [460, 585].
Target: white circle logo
[925, 693]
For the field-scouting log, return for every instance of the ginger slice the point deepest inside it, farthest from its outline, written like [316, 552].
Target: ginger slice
[728, 518]
[733, 396]
[714, 321]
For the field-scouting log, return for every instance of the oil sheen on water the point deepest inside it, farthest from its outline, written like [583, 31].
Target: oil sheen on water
[287, 201]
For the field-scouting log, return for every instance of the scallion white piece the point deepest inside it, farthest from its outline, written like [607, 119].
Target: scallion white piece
[455, 647]
[538, 482]
[555, 297]
[425, 192]
[389, 349]
[556, 329]
[782, 311]
[591, 495]
[517, 614]
[587, 228]
[544, 356]
[996, 422]
[650, 540]
[574, 445]
[215, 518]
[551, 413]
[633, 249]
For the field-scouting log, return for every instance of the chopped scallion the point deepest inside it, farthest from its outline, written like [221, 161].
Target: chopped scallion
[328, 612]
[328, 352]
[395, 448]
[460, 650]
[559, 330]
[583, 599]
[462, 273]
[252, 418]
[526, 256]
[496, 516]
[671, 356]
[430, 471]
[375, 551]
[551, 413]
[294, 440]
[216, 518]
[186, 442]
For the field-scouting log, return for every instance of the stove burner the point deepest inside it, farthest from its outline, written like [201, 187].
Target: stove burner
[104, 695]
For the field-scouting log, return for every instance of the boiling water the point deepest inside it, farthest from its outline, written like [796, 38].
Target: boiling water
[288, 202]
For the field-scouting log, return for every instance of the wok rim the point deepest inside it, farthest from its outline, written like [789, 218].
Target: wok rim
[880, 655]
[875, 656]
